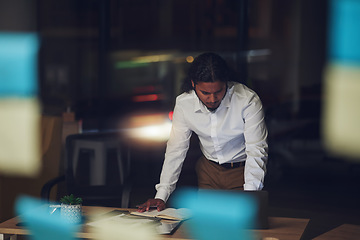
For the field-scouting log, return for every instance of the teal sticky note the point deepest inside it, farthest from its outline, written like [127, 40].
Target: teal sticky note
[218, 214]
[41, 224]
[18, 64]
[344, 33]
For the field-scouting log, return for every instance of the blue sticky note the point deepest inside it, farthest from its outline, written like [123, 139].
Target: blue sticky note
[41, 224]
[218, 214]
[344, 34]
[18, 64]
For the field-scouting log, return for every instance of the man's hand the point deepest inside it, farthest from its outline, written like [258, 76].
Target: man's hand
[158, 203]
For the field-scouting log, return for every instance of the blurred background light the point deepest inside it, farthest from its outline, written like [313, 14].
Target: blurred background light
[153, 58]
[158, 132]
[189, 59]
[146, 98]
[147, 127]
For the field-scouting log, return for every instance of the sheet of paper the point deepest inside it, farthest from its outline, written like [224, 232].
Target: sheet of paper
[168, 213]
[125, 226]
[135, 222]
[121, 218]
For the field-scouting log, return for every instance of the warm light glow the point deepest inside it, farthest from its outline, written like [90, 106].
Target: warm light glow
[171, 115]
[146, 98]
[145, 89]
[153, 58]
[159, 132]
[189, 59]
[147, 127]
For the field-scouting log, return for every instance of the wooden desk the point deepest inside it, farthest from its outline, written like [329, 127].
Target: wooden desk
[344, 232]
[281, 228]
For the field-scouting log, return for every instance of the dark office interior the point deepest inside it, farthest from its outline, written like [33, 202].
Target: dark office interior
[89, 65]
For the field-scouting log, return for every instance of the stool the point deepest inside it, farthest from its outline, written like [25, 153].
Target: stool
[98, 162]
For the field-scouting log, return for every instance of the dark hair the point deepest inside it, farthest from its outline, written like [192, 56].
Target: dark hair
[207, 67]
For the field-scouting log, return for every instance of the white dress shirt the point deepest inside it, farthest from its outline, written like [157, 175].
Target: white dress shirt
[234, 132]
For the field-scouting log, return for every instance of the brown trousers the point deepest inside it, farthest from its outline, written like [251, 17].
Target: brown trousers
[212, 176]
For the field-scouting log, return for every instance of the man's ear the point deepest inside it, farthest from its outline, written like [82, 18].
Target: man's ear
[192, 83]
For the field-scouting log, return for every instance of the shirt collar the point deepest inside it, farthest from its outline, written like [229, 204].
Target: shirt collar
[225, 103]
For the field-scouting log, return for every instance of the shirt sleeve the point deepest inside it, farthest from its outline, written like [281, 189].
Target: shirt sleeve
[176, 149]
[255, 133]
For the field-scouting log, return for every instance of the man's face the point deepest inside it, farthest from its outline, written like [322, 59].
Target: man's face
[210, 93]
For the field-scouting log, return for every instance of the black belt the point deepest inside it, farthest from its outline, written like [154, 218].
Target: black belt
[230, 165]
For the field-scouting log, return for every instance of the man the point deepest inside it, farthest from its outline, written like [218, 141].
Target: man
[229, 121]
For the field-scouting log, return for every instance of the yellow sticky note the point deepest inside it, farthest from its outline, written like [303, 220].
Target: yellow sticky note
[19, 136]
[341, 128]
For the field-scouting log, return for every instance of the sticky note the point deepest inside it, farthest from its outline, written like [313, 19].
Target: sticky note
[18, 64]
[19, 107]
[341, 129]
[20, 152]
[218, 214]
[41, 224]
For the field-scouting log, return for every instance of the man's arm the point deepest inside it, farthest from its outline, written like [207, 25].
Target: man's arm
[176, 150]
[255, 133]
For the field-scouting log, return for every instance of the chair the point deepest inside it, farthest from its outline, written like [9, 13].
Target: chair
[97, 168]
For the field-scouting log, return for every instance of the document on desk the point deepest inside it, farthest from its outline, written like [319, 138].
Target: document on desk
[134, 221]
[177, 214]
[121, 218]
